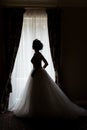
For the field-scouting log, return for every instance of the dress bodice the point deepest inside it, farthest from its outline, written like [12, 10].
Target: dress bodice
[36, 60]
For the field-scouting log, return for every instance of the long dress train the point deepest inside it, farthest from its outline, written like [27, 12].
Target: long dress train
[42, 97]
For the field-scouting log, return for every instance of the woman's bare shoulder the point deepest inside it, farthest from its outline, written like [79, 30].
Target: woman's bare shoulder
[40, 54]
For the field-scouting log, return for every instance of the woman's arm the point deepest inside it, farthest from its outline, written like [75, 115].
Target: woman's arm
[45, 61]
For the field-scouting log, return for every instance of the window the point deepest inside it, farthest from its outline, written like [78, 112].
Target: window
[34, 26]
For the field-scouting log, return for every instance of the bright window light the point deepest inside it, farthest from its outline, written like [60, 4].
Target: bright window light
[34, 26]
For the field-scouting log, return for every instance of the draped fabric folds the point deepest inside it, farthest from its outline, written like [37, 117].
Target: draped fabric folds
[13, 18]
[34, 27]
[54, 26]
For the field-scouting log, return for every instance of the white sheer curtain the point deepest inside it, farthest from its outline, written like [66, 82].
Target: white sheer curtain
[34, 26]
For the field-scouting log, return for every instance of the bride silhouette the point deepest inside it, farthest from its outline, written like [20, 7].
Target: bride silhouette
[42, 97]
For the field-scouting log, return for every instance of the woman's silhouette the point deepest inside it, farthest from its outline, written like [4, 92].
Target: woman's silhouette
[38, 57]
[41, 96]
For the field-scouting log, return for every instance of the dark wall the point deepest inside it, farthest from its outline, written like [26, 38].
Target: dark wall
[74, 53]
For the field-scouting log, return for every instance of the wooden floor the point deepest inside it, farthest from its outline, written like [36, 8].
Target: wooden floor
[9, 122]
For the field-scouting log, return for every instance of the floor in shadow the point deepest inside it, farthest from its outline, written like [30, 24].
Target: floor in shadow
[9, 122]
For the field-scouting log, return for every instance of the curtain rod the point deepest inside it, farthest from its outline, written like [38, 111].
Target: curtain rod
[30, 6]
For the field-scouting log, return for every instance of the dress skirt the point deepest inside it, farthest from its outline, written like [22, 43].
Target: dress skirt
[42, 97]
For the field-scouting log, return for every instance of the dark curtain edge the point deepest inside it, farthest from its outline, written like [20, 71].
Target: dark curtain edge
[8, 87]
[52, 13]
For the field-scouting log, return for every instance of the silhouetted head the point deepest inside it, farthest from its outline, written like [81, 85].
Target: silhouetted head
[37, 45]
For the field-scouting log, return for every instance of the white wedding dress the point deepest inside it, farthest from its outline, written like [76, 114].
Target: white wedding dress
[42, 97]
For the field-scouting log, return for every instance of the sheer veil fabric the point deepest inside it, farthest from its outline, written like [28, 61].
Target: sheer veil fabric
[38, 96]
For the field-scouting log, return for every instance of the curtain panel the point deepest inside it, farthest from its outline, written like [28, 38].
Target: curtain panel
[13, 19]
[54, 30]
